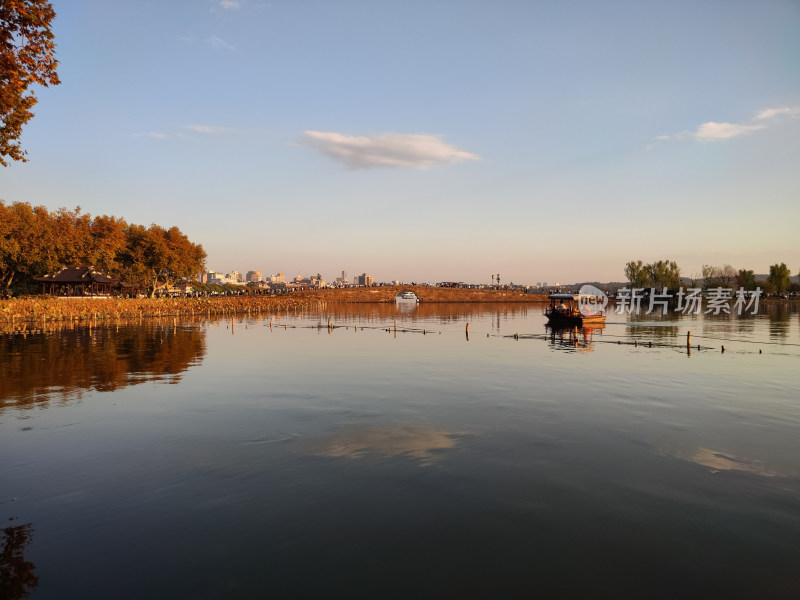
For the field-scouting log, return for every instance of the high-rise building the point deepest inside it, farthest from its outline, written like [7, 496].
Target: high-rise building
[253, 276]
[235, 276]
[214, 277]
[344, 276]
[365, 279]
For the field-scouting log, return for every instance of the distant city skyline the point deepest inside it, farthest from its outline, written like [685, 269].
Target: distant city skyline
[426, 141]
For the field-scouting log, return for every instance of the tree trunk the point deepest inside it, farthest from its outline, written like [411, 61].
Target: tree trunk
[7, 282]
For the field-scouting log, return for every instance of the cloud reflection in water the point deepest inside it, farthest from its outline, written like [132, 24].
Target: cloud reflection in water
[418, 441]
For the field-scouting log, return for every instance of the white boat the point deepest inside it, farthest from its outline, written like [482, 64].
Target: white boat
[408, 295]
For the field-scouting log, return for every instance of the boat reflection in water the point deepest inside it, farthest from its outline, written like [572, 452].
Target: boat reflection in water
[574, 339]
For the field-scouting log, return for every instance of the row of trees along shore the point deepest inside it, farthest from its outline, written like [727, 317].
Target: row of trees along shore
[667, 274]
[35, 241]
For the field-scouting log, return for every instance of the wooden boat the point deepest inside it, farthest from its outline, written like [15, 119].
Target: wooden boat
[578, 310]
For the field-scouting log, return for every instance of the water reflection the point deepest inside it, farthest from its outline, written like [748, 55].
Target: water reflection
[443, 312]
[717, 460]
[406, 307]
[17, 578]
[418, 441]
[39, 366]
[656, 324]
[574, 339]
[779, 316]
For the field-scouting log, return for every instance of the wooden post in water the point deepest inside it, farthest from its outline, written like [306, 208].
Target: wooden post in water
[688, 338]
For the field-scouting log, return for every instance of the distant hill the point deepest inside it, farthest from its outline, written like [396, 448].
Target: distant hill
[793, 278]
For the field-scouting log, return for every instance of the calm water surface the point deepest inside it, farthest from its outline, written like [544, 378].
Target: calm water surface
[232, 459]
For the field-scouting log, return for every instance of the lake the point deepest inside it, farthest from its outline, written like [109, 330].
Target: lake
[278, 457]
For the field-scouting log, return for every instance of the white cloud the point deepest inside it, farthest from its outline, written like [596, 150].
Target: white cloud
[713, 131]
[156, 135]
[771, 113]
[396, 150]
[207, 129]
[218, 42]
[230, 4]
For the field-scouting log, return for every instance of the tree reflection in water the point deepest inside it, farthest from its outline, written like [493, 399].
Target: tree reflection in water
[779, 315]
[37, 367]
[16, 574]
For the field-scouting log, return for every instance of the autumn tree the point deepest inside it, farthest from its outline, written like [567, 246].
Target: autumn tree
[27, 243]
[159, 257]
[27, 56]
[72, 239]
[35, 241]
[107, 243]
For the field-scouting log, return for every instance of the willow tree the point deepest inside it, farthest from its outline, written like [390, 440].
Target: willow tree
[746, 278]
[664, 274]
[27, 56]
[779, 277]
[637, 274]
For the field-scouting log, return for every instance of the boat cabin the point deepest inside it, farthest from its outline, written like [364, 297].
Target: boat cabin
[574, 309]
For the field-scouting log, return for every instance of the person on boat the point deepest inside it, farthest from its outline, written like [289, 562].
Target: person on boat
[562, 308]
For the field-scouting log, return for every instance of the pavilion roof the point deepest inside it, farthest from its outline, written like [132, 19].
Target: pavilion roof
[76, 275]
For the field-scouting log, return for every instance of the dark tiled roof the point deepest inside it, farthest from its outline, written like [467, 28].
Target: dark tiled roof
[76, 275]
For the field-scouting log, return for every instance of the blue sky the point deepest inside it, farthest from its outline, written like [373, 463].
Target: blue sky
[428, 141]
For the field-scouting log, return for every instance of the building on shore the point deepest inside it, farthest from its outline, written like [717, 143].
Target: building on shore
[365, 279]
[84, 281]
[253, 276]
[215, 278]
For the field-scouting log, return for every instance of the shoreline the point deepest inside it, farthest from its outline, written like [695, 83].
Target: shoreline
[33, 309]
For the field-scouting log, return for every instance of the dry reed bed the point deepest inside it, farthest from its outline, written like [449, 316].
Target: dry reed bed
[49, 309]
